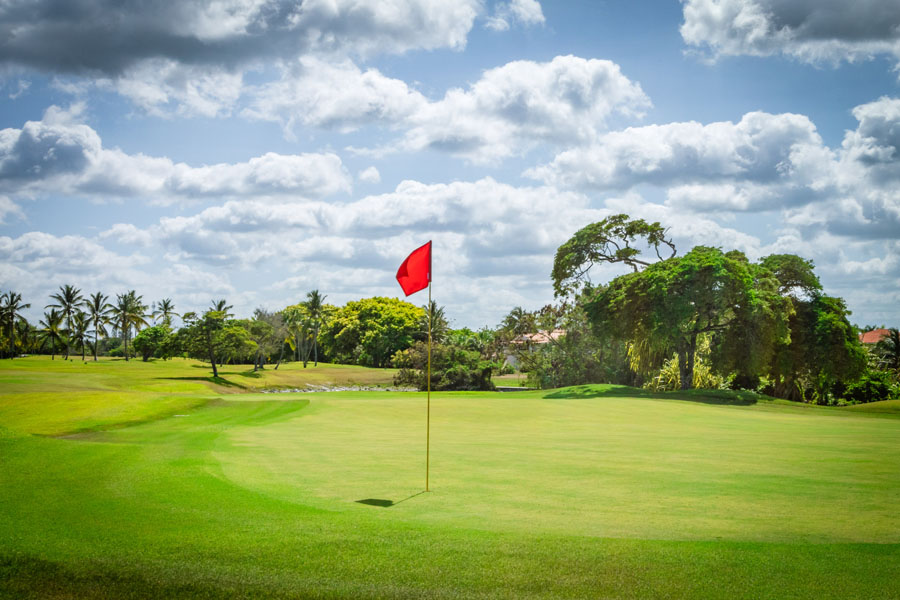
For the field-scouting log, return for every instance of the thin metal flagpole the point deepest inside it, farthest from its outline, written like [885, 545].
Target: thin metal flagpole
[428, 387]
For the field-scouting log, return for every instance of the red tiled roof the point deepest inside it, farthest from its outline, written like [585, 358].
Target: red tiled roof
[874, 336]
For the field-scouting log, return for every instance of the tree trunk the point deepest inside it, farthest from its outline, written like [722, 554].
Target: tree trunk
[316, 346]
[69, 325]
[212, 353]
[95, 345]
[686, 363]
[280, 355]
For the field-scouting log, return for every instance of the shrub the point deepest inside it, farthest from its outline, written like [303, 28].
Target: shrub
[452, 368]
[871, 387]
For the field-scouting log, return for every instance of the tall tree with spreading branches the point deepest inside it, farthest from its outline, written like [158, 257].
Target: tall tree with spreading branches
[615, 239]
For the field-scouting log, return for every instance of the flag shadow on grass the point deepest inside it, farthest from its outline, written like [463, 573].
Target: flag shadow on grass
[386, 503]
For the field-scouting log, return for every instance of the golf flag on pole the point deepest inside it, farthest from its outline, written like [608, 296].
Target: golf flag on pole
[415, 275]
[415, 272]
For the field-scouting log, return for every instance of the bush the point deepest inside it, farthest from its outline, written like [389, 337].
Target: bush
[452, 368]
[871, 387]
[148, 341]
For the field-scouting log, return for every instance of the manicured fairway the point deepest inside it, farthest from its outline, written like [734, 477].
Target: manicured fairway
[587, 492]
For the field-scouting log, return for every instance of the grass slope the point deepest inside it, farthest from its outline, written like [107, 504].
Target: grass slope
[594, 491]
[54, 397]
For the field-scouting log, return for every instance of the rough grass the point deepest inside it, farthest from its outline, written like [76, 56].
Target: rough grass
[595, 491]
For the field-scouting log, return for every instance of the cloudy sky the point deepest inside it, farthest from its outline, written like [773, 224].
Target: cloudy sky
[257, 149]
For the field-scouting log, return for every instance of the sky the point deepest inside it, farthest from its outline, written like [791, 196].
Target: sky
[255, 150]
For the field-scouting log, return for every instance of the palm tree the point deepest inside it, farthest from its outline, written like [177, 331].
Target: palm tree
[297, 320]
[25, 335]
[78, 331]
[68, 300]
[166, 310]
[129, 311]
[889, 350]
[222, 306]
[519, 321]
[10, 305]
[440, 327]
[52, 331]
[315, 306]
[98, 311]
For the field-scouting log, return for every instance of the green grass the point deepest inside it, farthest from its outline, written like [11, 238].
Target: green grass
[594, 491]
[53, 397]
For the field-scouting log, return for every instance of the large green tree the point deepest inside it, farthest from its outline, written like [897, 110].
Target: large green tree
[370, 331]
[201, 336]
[767, 318]
[821, 347]
[668, 305]
[151, 339]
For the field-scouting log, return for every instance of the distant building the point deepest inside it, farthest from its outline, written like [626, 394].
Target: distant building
[874, 336]
[529, 340]
[541, 337]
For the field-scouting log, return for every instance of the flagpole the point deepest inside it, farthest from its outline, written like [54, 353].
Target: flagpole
[428, 413]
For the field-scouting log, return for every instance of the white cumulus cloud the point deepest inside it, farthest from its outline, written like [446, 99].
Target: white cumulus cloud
[513, 107]
[810, 30]
[525, 12]
[61, 154]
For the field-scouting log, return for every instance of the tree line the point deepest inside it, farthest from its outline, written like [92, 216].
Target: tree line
[373, 332]
[709, 318]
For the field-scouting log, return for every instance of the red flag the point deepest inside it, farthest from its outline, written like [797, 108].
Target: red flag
[415, 272]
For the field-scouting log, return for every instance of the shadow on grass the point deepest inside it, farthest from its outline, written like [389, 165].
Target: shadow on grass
[719, 397]
[386, 503]
[248, 373]
[210, 379]
[31, 577]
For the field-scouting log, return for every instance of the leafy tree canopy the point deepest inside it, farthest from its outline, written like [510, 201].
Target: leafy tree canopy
[370, 331]
[664, 308]
[611, 240]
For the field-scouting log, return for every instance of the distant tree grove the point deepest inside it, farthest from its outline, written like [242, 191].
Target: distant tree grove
[710, 318]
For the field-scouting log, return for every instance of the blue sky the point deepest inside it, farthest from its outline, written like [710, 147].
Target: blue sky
[259, 149]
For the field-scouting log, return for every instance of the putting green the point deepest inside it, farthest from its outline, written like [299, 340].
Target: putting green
[607, 467]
